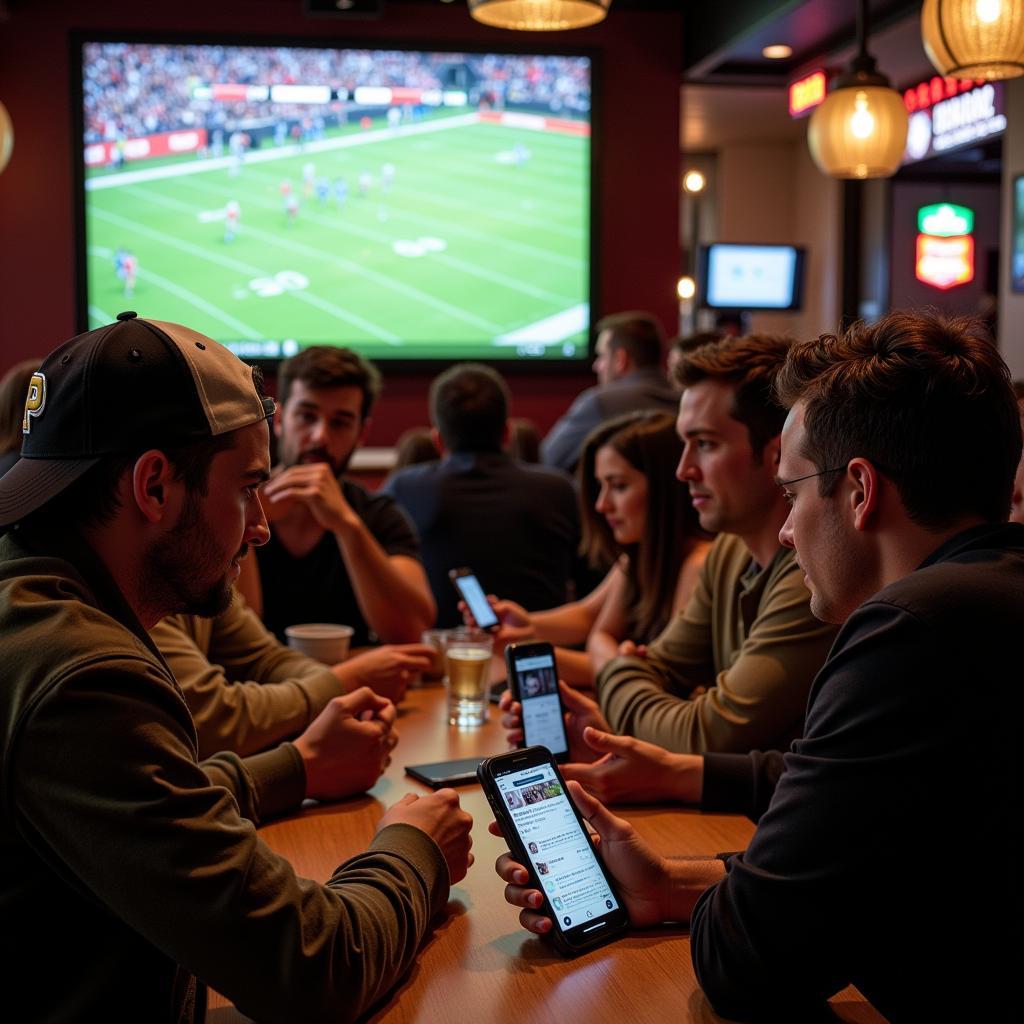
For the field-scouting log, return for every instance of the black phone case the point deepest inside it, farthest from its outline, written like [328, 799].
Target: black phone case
[518, 851]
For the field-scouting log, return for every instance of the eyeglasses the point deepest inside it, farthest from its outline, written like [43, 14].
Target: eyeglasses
[810, 476]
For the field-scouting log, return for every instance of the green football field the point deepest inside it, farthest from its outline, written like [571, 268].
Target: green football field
[479, 247]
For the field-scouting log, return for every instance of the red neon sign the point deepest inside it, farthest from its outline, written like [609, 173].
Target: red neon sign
[807, 93]
[945, 262]
[935, 90]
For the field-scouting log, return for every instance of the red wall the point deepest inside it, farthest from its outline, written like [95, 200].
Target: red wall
[637, 160]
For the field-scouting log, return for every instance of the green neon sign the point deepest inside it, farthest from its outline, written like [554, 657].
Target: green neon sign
[945, 220]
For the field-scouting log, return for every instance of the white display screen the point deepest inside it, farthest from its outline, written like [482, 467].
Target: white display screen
[542, 711]
[559, 849]
[475, 598]
[751, 276]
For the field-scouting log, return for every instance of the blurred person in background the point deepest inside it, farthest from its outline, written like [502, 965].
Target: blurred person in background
[627, 362]
[515, 525]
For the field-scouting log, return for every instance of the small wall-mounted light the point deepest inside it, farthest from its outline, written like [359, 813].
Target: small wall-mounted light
[686, 288]
[694, 182]
[6, 137]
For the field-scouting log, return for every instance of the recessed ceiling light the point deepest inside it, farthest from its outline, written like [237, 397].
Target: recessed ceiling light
[778, 51]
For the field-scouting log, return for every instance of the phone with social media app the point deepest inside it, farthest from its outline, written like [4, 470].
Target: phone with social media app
[533, 679]
[468, 586]
[546, 834]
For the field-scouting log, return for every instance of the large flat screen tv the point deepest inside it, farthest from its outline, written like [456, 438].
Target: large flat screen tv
[755, 277]
[413, 204]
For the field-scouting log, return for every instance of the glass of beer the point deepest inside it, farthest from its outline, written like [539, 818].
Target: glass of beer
[468, 657]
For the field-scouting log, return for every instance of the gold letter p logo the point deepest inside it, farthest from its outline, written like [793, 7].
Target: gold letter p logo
[34, 401]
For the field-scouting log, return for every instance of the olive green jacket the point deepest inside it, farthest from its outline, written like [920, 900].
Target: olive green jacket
[129, 868]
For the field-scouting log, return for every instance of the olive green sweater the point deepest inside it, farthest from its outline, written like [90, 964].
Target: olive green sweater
[128, 868]
[748, 637]
[245, 689]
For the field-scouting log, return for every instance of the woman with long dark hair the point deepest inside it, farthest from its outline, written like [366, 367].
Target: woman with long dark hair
[637, 517]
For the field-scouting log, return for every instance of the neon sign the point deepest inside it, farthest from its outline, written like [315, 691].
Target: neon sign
[945, 262]
[807, 93]
[945, 220]
[946, 113]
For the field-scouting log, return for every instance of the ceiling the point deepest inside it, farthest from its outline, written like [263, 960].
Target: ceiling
[731, 92]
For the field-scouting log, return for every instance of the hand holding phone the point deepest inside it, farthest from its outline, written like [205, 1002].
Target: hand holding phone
[473, 594]
[549, 842]
[533, 682]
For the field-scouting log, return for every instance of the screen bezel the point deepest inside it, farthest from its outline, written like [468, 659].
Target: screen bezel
[532, 649]
[703, 280]
[513, 366]
[571, 940]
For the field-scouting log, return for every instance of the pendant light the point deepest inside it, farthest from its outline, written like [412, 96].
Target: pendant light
[860, 131]
[974, 38]
[539, 15]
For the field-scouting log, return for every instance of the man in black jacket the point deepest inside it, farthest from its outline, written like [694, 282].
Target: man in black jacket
[882, 852]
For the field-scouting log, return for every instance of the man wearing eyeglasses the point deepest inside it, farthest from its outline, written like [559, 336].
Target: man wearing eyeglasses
[883, 855]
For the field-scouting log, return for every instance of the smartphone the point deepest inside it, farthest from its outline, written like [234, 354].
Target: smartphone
[546, 834]
[445, 773]
[533, 679]
[473, 594]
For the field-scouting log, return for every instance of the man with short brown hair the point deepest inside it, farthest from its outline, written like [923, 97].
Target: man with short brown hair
[627, 362]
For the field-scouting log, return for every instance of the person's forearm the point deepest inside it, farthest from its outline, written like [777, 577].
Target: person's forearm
[687, 880]
[574, 668]
[566, 625]
[602, 646]
[396, 607]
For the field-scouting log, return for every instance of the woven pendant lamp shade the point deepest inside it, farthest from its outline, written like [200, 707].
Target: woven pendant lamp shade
[539, 15]
[974, 38]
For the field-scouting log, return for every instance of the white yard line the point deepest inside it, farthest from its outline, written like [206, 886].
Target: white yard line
[551, 330]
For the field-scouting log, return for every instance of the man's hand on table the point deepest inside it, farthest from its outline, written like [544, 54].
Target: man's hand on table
[348, 745]
[387, 670]
[580, 712]
[441, 817]
[629, 770]
[653, 888]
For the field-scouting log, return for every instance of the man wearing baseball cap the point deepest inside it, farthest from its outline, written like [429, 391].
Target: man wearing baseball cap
[131, 867]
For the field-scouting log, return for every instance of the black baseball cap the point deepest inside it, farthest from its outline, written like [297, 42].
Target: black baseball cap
[129, 386]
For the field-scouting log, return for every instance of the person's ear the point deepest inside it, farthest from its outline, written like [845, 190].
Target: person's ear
[150, 482]
[435, 436]
[864, 492]
[772, 452]
[621, 361]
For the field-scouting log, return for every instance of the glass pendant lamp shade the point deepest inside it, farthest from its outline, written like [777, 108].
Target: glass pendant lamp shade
[6, 137]
[539, 15]
[860, 131]
[974, 38]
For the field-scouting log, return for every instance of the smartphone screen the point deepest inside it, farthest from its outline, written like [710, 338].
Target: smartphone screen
[582, 902]
[536, 688]
[473, 594]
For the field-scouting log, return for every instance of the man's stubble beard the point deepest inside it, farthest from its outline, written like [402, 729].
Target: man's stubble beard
[176, 566]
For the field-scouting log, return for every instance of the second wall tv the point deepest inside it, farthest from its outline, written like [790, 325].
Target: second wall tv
[417, 205]
[755, 277]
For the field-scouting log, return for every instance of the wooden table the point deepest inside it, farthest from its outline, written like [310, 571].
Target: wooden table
[479, 965]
